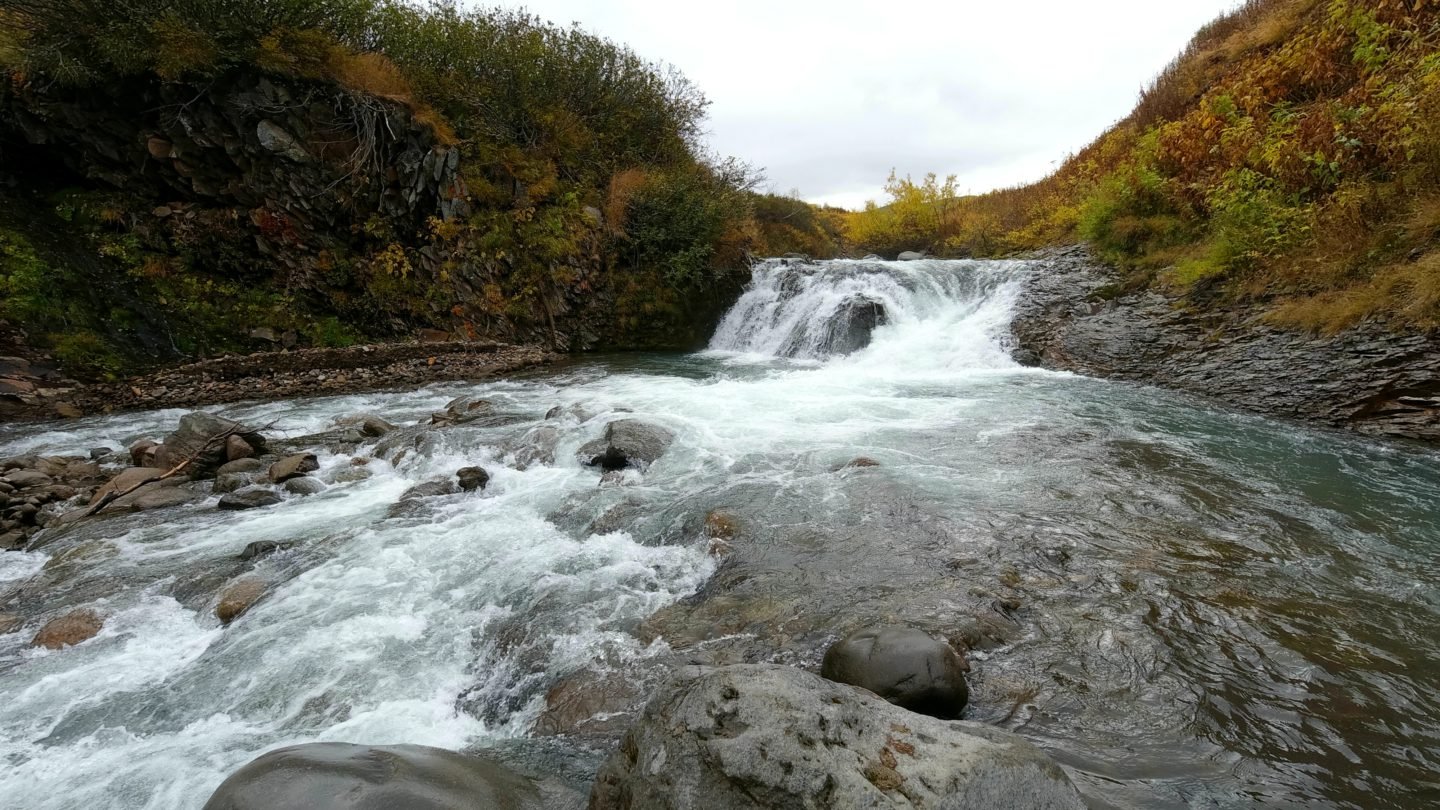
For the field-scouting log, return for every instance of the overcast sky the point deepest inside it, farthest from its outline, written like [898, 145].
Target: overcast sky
[829, 96]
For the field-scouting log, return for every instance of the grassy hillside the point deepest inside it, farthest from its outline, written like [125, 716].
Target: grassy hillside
[581, 193]
[1291, 155]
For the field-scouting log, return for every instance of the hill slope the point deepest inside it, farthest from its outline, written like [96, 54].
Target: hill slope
[1290, 156]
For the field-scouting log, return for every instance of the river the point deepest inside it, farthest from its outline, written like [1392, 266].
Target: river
[1184, 606]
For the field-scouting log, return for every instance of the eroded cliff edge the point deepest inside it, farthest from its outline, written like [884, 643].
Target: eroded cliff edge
[1073, 315]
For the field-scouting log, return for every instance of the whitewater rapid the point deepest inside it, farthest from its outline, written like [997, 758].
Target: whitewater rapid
[1119, 513]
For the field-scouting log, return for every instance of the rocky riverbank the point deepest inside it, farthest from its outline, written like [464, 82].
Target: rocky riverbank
[1369, 379]
[33, 390]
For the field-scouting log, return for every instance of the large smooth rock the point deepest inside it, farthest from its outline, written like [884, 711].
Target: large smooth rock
[903, 665]
[909, 256]
[155, 495]
[343, 776]
[238, 597]
[132, 477]
[293, 467]
[237, 448]
[627, 443]
[28, 479]
[760, 736]
[304, 485]
[198, 436]
[252, 498]
[241, 465]
[68, 630]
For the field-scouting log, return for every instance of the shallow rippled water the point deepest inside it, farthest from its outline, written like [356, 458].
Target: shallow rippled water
[1215, 610]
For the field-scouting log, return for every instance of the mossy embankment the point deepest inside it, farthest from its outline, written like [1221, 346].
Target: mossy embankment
[182, 180]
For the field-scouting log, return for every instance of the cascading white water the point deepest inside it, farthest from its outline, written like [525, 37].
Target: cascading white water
[1120, 513]
[817, 310]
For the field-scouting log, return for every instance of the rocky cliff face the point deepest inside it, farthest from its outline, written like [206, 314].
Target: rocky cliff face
[1369, 379]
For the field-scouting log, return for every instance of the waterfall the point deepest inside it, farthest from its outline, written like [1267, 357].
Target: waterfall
[884, 311]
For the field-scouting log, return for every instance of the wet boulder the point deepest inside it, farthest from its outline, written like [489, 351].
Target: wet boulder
[27, 479]
[155, 495]
[909, 256]
[760, 736]
[142, 453]
[124, 482]
[411, 499]
[293, 467]
[68, 630]
[343, 776]
[853, 324]
[200, 439]
[262, 548]
[237, 597]
[627, 443]
[237, 448]
[10, 622]
[904, 665]
[430, 489]
[460, 410]
[249, 498]
[241, 465]
[231, 482]
[368, 425]
[304, 485]
[537, 446]
[472, 478]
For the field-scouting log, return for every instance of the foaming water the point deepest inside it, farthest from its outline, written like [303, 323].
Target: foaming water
[1216, 610]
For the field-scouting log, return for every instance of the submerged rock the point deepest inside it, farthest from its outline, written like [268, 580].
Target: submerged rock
[343, 776]
[238, 597]
[472, 478]
[261, 548]
[430, 489]
[10, 622]
[903, 665]
[759, 736]
[627, 443]
[68, 630]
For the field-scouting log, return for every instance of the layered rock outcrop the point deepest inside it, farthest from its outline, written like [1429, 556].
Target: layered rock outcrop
[1368, 379]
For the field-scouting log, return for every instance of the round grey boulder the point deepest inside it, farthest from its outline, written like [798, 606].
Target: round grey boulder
[304, 485]
[343, 776]
[906, 666]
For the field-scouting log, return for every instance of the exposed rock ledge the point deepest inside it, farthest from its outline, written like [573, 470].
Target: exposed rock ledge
[1368, 379]
[276, 375]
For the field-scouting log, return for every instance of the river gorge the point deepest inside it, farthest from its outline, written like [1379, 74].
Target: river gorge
[1183, 605]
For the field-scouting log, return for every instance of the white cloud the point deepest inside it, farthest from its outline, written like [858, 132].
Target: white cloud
[827, 97]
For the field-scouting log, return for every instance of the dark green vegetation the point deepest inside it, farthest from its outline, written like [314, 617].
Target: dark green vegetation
[180, 175]
[1290, 157]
